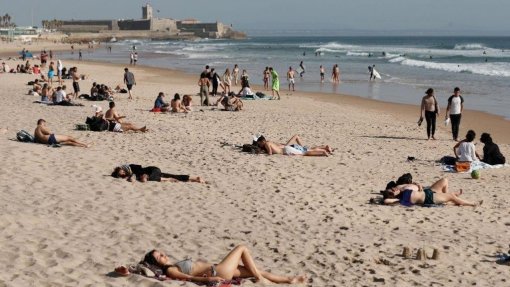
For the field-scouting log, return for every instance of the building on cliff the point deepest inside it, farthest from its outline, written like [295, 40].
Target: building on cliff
[149, 26]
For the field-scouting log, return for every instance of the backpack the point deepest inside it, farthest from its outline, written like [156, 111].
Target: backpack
[97, 124]
[24, 136]
[249, 148]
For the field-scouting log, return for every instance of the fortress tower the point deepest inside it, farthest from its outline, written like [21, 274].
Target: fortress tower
[147, 12]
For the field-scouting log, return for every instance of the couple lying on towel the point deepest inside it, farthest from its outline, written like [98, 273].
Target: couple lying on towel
[200, 271]
[409, 194]
[292, 147]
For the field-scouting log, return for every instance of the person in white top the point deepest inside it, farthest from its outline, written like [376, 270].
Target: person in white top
[59, 71]
[60, 95]
[465, 150]
[454, 111]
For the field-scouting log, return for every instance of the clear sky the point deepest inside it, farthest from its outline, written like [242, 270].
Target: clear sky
[378, 16]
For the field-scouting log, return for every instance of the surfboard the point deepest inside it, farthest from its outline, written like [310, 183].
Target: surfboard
[376, 74]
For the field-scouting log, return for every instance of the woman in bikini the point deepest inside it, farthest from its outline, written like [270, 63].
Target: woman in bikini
[228, 268]
[415, 194]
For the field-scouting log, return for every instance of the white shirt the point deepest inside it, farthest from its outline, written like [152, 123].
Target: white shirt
[59, 65]
[246, 92]
[60, 96]
[466, 152]
[455, 104]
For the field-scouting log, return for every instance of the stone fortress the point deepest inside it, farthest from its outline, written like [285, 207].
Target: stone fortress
[148, 27]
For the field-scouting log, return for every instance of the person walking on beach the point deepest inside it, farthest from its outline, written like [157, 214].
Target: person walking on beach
[131, 58]
[215, 79]
[265, 77]
[454, 111]
[129, 80]
[135, 58]
[336, 74]
[276, 82]
[290, 78]
[80, 56]
[51, 55]
[302, 69]
[430, 109]
[24, 55]
[227, 81]
[203, 83]
[322, 72]
[51, 72]
[235, 74]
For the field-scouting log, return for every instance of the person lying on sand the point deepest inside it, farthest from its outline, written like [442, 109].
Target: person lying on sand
[292, 147]
[230, 102]
[414, 194]
[44, 136]
[200, 271]
[133, 172]
[116, 124]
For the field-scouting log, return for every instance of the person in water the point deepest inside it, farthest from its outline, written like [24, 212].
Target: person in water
[416, 194]
[200, 271]
[292, 147]
[133, 172]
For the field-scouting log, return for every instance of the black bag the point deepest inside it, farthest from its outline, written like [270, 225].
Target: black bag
[253, 149]
[123, 91]
[97, 124]
[24, 136]
[448, 160]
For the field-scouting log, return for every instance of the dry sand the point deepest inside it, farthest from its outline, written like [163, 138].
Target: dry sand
[65, 222]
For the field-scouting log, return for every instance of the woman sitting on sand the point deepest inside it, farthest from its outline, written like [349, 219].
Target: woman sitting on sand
[133, 172]
[186, 102]
[465, 150]
[176, 104]
[491, 153]
[414, 194]
[201, 271]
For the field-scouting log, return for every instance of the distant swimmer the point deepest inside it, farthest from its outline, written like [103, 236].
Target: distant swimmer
[370, 54]
[384, 54]
[485, 52]
[430, 57]
[486, 60]
[304, 53]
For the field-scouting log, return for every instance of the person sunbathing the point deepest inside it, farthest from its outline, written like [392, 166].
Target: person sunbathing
[176, 105]
[133, 172]
[415, 194]
[44, 136]
[116, 123]
[292, 147]
[200, 271]
[230, 102]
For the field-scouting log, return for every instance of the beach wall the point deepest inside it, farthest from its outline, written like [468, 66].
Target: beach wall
[88, 26]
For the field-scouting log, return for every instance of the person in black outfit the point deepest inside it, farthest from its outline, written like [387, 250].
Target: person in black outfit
[215, 82]
[150, 173]
[491, 153]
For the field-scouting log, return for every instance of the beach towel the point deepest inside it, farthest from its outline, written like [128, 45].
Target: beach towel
[475, 165]
[144, 270]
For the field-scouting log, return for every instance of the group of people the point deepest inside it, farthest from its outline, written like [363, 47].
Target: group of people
[210, 81]
[464, 150]
[176, 105]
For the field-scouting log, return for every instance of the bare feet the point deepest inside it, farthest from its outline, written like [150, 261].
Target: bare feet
[144, 129]
[298, 279]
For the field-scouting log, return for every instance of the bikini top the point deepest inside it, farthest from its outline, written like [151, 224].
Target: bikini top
[185, 266]
[405, 197]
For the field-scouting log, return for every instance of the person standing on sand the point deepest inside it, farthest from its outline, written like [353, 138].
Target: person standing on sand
[454, 112]
[235, 74]
[203, 83]
[51, 55]
[290, 78]
[430, 109]
[275, 82]
[80, 56]
[131, 58]
[59, 71]
[44, 136]
[265, 77]
[76, 84]
[129, 80]
[135, 58]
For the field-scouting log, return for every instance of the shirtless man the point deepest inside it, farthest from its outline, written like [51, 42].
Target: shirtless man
[44, 136]
[117, 124]
[290, 78]
[429, 108]
[293, 149]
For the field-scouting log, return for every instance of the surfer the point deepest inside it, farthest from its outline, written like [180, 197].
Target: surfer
[371, 72]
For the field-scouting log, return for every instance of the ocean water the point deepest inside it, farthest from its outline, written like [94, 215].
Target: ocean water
[480, 66]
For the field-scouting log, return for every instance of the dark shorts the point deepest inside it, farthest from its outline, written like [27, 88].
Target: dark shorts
[76, 87]
[429, 196]
[52, 140]
[129, 87]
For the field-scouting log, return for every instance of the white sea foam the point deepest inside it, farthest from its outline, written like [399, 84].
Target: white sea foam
[501, 69]
[470, 46]
[358, 54]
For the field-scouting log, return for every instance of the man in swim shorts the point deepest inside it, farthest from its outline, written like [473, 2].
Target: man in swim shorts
[290, 78]
[116, 123]
[44, 136]
[129, 80]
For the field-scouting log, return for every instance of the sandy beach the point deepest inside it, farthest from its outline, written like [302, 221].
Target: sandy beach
[66, 222]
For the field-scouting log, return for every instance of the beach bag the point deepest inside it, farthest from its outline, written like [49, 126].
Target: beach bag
[253, 149]
[97, 124]
[123, 91]
[24, 136]
[462, 166]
